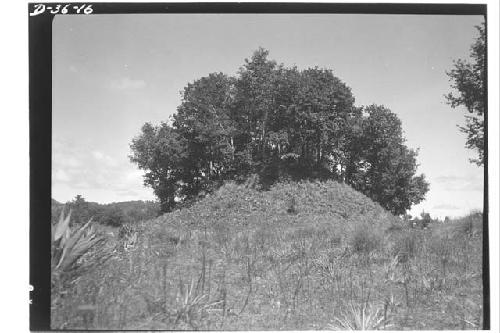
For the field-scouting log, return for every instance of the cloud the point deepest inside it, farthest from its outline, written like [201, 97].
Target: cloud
[66, 161]
[95, 174]
[446, 207]
[126, 83]
[460, 183]
[97, 155]
[134, 175]
[82, 184]
[103, 158]
[61, 176]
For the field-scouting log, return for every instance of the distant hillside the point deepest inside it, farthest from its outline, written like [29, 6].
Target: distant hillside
[115, 214]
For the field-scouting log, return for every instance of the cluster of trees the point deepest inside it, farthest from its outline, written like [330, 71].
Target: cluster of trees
[279, 123]
[468, 78]
[421, 222]
[113, 214]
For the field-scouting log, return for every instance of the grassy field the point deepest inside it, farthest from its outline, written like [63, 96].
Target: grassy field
[298, 257]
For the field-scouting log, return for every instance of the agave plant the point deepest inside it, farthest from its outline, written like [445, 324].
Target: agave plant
[68, 246]
[362, 318]
[191, 303]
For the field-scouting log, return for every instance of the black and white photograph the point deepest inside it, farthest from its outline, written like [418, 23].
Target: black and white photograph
[265, 167]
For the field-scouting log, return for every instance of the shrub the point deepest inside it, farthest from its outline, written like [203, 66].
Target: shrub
[394, 227]
[442, 246]
[292, 206]
[406, 245]
[470, 224]
[364, 239]
[113, 216]
[425, 220]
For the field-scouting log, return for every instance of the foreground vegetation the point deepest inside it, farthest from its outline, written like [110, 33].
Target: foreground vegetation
[300, 256]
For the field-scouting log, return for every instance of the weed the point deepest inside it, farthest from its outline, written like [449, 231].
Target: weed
[470, 225]
[365, 240]
[406, 245]
[292, 206]
[191, 304]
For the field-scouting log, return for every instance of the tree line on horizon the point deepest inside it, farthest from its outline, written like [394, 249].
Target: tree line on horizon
[281, 124]
[112, 214]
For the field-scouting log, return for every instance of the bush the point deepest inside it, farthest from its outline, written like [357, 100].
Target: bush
[406, 245]
[470, 225]
[292, 206]
[426, 220]
[423, 222]
[112, 216]
[364, 240]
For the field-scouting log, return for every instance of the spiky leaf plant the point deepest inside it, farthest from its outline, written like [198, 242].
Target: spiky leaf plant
[362, 318]
[68, 246]
[191, 303]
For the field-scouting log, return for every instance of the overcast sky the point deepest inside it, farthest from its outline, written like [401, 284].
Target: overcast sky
[113, 73]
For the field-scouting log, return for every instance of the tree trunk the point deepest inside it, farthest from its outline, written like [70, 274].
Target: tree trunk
[264, 124]
[231, 143]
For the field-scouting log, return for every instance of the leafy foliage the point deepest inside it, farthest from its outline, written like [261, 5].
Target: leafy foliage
[280, 124]
[163, 153]
[381, 166]
[468, 78]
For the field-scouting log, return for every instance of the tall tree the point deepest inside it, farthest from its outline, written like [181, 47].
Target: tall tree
[468, 78]
[253, 104]
[386, 167]
[203, 120]
[325, 106]
[161, 152]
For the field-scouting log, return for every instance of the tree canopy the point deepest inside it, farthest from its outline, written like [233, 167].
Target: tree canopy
[279, 123]
[468, 78]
